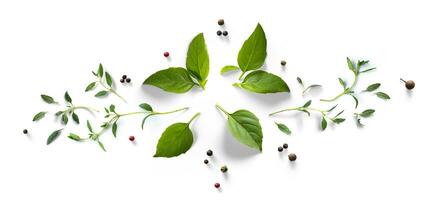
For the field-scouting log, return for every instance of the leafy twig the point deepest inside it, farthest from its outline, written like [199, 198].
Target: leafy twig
[104, 79]
[365, 114]
[308, 88]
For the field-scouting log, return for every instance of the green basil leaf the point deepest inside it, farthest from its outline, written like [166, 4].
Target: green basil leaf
[367, 113]
[263, 82]
[383, 95]
[67, 97]
[175, 140]
[53, 136]
[108, 79]
[75, 118]
[228, 68]
[101, 93]
[197, 60]
[39, 116]
[101, 145]
[48, 99]
[253, 52]
[74, 137]
[65, 119]
[283, 128]
[351, 65]
[90, 87]
[174, 79]
[373, 87]
[245, 127]
[323, 123]
[146, 107]
[307, 104]
[100, 70]
[114, 129]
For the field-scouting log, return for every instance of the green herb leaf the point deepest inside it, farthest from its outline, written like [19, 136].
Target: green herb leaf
[338, 120]
[100, 70]
[88, 124]
[53, 136]
[74, 137]
[373, 87]
[367, 113]
[310, 87]
[174, 79]
[383, 95]
[108, 79]
[101, 145]
[48, 99]
[75, 118]
[253, 52]
[263, 82]
[283, 128]
[114, 129]
[101, 93]
[305, 111]
[197, 60]
[65, 119]
[367, 70]
[307, 104]
[342, 82]
[300, 81]
[351, 65]
[90, 87]
[175, 140]
[112, 108]
[143, 120]
[39, 116]
[146, 107]
[323, 123]
[332, 108]
[67, 97]
[228, 68]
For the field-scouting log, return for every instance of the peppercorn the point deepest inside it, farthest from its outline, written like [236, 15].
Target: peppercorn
[409, 84]
[124, 76]
[225, 33]
[206, 161]
[132, 138]
[283, 62]
[224, 169]
[221, 22]
[285, 146]
[122, 80]
[128, 80]
[217, 185]
[219, 33]
[209, 152]
[166, 54]
[292, 157]
[280, 149]
[25, 131]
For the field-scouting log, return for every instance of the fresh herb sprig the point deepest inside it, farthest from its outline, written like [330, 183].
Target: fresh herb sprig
[104, 79]
[308, 88]
[325, 114]
[364, 114]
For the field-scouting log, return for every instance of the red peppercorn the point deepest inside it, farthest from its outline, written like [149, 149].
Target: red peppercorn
[217, 185]
[132, 138]
[166, 54]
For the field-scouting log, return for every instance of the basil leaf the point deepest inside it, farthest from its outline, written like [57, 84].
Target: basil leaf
[90, 87]
[228, 68]
[74, 137]
[114, 129]
[245, 127]
[48, 99]
[263, 82]
[108, 79]
[174, 79]
[323, 123]
[146, 107]
[175, 140]
[253, 52]
[100, 70]
[53, 136]
[197, 60]
[39, 116]
[283, 128]
[67, 97]
[75, 118]
[367, 113]
[101, 93]
[373, 87]
[383, 95]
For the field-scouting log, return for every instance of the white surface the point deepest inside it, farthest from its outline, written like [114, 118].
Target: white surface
[51, 46]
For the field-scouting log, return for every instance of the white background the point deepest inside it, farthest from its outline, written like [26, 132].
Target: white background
[52, 46]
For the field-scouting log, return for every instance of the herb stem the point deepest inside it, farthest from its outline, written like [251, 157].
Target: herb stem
[195, 116]
[221, 108]
[109, 89]
[169, 112]
[346, 90]
[323, 112]
[242, 75]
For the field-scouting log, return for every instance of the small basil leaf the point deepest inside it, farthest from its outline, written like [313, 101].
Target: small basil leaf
[75, 118]
[90, 87]
[108, 79]
[373, 87]
[253, 52]
[175, 140]
[263, 82]
[146, 107]
[383, 95]
[228, 68]
[48, 99]
[68, 98]
[283, 128]
[53, 136]
[367, 113]
[74, 137]
[101, 93]
[174, 79]
[39, 116]
[245, 127]
[197, 60]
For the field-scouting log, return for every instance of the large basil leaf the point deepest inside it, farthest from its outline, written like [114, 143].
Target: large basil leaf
[263, 82]
[175, 140]
[197, 60]
[173, 79]
[253, 52]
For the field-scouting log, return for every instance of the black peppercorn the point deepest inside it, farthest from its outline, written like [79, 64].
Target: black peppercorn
[221, 22]
[285, 146]
[292, 157]
[409, 84]
[283, 62]
[128, 80]
[280, 149]
[225, 33]
[122, 80]
[206, 161]
[219, 33]
[124, 76]
[224, 169]
[25, 131]
[209, 152]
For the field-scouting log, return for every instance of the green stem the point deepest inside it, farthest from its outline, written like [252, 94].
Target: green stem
[111, 90]
[169, 112]
[346, 90]
[323, 112]
[221, 108]
[242, 74]
[195, 116]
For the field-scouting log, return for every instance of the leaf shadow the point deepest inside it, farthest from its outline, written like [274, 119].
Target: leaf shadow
[235, 150]
[159, 95]
[267, 99]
